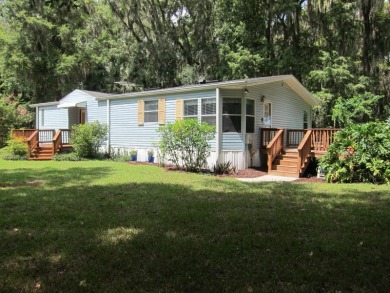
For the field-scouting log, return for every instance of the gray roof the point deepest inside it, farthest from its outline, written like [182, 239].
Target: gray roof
[237, 84]
[96, 94]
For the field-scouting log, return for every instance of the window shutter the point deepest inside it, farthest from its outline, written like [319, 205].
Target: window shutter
[141, 112]
[161, 111]
[179, 109]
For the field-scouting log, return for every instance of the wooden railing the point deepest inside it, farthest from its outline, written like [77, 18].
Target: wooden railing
[66, 135]
[32, 142]
[22, 133]
[304, 152]
[275, 147]
[294, 137]
[266, 135]
[322, 138]
[46, 135]
[57, 142]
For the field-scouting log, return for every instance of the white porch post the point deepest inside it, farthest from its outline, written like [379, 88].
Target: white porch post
[36, 117]
[108, 125]
[218, 123]
[243, 128]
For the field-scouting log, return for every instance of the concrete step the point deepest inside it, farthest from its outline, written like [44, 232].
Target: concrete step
[283, 173]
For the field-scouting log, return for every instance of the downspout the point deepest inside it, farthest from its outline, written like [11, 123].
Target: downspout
[218, 124]
[243, 128]
[108, 126]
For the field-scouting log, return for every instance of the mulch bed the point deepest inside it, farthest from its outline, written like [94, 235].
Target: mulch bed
[247, 173]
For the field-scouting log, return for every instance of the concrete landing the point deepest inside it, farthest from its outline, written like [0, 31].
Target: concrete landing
[268, 178]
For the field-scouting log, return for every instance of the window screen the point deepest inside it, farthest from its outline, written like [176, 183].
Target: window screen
[209, 110]
[151, 111]
[190, 108]
[231, 115]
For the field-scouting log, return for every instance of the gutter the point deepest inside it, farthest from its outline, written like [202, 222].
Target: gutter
[44, 104]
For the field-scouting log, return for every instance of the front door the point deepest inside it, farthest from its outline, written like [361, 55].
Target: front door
[82, 116]
[267, 114]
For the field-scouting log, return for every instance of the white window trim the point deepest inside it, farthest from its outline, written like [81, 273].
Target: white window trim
[199, 114]
[191, 116]
[150, 111]
[207, 115]
[254, 116]
[237, 115]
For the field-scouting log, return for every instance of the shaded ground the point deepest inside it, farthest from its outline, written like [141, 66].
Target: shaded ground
[115, 227]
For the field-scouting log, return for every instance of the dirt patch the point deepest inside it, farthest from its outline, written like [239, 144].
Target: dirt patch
[34, 183]
[250, 173]
[247, 173]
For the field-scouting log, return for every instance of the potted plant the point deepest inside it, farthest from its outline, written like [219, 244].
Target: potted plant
[150, 156]
[133, 155]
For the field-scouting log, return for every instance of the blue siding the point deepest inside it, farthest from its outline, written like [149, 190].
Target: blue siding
[92, 105]
[54, 118]
[101, 112]
[232, 142]
[125, 131]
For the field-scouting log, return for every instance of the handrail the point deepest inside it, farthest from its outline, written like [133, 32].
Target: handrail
[275, 147]
[57, 142]
[304, 150]
[266, 135]
[66, 135]
[294, 137]
[32, 142]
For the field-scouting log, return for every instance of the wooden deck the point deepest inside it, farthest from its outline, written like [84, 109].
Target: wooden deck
[44, 144]
[289, 150]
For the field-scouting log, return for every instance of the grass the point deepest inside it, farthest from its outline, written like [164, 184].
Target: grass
[104, 226]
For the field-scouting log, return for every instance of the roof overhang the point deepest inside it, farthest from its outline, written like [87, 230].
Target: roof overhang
[73, 105]
[290, 80]
[44, 104]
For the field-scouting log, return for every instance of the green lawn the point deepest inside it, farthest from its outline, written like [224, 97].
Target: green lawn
[114, 227]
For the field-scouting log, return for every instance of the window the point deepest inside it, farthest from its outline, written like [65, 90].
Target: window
[250, 116]
[267, 117]
[191, 109]
[206, 113]
[231, 115]
[305, 120]
[42, 117]
[209, 110]
[151, 111]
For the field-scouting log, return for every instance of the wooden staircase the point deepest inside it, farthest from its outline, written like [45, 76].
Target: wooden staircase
[44, 144]
[42, 153]
[289, 162]
[286, 164]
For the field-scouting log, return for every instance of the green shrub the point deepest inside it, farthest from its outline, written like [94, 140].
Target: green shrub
[67, 157]
[121, 158]
[15, 150]
[223, 168]
[88, 138]
[186, 143]
[360, 153]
